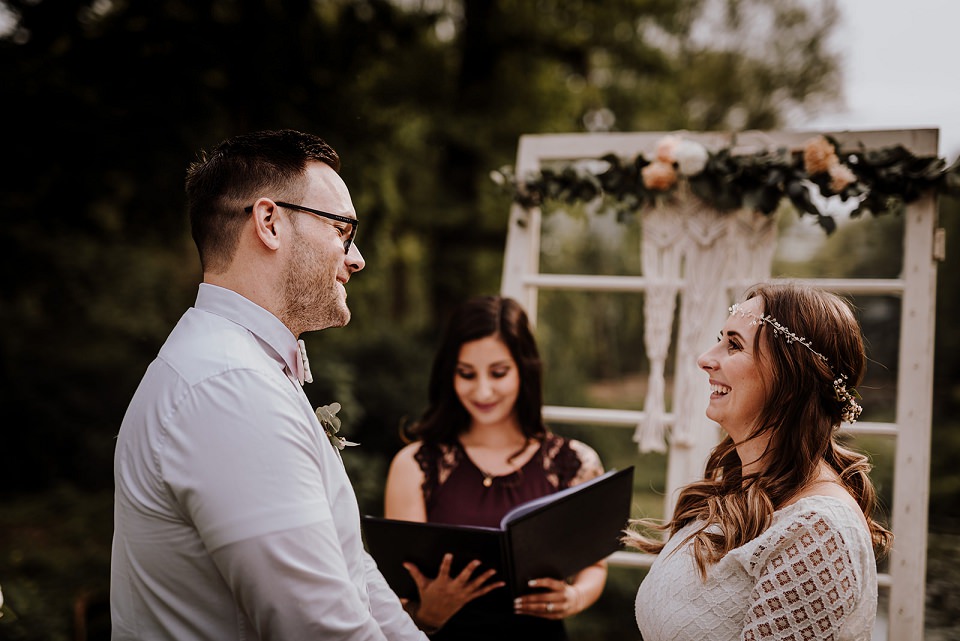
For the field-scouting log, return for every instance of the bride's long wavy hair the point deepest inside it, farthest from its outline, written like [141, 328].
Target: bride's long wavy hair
[801, 415]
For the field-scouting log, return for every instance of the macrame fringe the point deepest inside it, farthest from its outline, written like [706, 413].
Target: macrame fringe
[651, 433]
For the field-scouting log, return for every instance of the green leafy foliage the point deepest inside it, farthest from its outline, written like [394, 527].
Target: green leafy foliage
[882, 180]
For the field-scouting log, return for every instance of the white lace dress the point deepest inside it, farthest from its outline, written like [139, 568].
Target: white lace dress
[811, 575]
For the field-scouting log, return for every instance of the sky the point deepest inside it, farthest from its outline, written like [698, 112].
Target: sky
[900, 67]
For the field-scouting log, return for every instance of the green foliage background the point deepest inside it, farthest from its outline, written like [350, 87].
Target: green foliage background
[107, 101]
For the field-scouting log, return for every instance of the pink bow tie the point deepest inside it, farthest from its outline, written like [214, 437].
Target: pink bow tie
[304, 363]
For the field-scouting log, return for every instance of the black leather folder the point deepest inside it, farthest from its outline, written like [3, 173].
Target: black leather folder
[554, 536]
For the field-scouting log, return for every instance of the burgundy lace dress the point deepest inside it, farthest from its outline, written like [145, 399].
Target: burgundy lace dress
[456, 491]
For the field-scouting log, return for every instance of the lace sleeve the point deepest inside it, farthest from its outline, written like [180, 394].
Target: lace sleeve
[436, 462]
[807, 584]
[567, 462]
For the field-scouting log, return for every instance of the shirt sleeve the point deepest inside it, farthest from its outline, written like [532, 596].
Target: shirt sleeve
[291, 585]
[257, 480]
[389, 613]
[249, 461]
[807, 584]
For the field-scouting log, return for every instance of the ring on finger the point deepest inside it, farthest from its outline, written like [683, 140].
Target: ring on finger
[550, 607]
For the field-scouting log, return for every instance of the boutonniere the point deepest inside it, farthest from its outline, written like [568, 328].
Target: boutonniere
[327, 415]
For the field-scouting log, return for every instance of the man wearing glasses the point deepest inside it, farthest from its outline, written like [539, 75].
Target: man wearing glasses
[234, 517]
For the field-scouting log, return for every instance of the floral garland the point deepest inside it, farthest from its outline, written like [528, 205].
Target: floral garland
[880, 180]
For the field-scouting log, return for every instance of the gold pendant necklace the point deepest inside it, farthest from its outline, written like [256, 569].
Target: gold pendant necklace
[487, 476]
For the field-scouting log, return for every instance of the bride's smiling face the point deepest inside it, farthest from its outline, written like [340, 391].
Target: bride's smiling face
[737, 391]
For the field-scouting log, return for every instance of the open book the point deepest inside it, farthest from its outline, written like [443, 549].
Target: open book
[556, 536]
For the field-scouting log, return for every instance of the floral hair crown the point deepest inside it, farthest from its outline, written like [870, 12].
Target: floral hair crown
[847, 397]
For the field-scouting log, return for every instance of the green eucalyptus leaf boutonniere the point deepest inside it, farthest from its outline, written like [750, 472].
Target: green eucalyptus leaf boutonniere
[327, 415]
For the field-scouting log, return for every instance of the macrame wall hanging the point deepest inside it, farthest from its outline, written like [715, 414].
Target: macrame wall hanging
[687, 242]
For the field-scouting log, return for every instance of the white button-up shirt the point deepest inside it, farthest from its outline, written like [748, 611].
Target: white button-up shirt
[234, 516]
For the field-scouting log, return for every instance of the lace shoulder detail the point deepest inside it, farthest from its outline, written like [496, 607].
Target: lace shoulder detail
[568, 462]
[436, 462]
[590, 465]
[809, 574]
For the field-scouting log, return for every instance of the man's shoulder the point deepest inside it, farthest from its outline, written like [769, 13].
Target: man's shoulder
[203, 345]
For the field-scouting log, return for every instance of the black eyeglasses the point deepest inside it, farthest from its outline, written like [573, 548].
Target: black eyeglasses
[347, 233]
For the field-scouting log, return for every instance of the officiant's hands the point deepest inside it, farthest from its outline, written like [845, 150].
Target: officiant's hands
[442, 597]
[556, 599]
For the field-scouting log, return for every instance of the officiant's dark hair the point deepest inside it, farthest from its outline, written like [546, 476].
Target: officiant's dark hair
[232, 175]
[479, 317]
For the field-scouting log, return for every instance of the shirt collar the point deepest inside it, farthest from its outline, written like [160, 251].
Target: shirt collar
[261, 323]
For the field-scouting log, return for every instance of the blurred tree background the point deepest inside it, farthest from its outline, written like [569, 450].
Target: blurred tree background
[107, 101]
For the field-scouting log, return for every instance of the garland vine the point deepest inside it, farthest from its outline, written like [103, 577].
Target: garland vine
[878, 180]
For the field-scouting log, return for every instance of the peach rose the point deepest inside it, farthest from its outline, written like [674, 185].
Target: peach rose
[659, 175]
[666, 148]
[819, 155]
[840, 177]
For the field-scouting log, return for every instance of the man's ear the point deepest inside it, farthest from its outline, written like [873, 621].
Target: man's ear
[265, 219]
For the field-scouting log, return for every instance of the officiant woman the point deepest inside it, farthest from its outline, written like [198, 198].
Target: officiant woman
[479, 449]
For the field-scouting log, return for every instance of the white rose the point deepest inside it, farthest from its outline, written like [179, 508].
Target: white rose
[593, 166]
[691, 157]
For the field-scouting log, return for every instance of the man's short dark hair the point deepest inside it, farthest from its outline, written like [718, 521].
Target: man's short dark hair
[220, 183]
